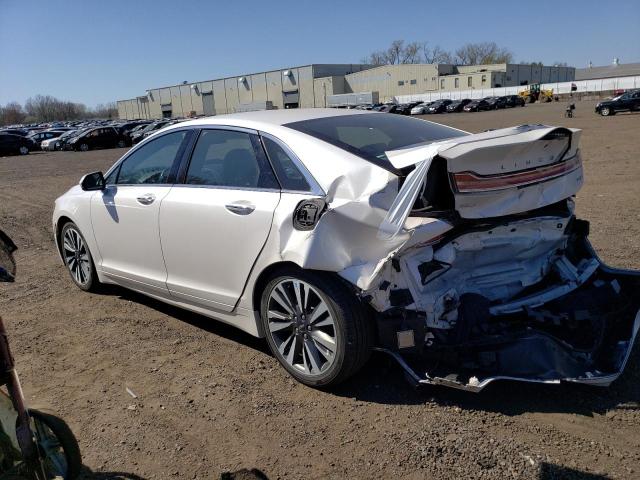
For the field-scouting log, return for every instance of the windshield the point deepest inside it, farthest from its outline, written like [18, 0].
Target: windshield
[371, 135]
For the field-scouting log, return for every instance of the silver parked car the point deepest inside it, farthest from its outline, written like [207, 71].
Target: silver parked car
[332, 233]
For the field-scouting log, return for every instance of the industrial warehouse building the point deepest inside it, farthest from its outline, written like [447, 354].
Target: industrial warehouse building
[321, 85]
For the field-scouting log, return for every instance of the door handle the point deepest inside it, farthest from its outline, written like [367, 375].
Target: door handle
[146, 199]
[240, 208]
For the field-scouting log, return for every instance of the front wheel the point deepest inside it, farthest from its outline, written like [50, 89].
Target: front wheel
[84, 147]
[606, 111]
[57, 446]
[315, 326]
[23, 150]
[121, 144]
[77, 257]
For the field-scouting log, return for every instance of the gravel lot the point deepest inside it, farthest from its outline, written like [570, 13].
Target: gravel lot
[212, 399]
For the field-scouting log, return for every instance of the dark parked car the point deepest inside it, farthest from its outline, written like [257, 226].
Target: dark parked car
[101, 137]
[628, 101]
[15, 131]
[15, 144]
[477, 105]
[439, 106]
[458, 105]
[128, 127]
[389, 108]
[405, 108]
[148, 130]
[515, 101]
[497, 102]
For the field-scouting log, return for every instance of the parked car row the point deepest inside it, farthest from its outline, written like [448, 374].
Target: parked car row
[446, 105]
[81, 136]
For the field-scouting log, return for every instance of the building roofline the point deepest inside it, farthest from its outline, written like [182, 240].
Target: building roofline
[254, 73]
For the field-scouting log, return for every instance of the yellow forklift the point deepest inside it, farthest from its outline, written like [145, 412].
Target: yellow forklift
[535, 94]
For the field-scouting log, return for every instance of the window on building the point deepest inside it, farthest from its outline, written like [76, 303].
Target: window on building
[457, 83]
[413, 82]
[442, 83]
[400, 83]
[484, 79]
[469, 81]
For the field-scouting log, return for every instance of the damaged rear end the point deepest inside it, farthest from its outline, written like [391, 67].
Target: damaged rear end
[496, 278]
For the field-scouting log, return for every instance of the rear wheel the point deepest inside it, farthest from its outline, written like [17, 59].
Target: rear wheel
[315, 326]
[121, 144]
[77, 258]
[23, 150]
[58, 447]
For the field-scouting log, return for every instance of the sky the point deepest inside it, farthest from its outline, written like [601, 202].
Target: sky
[98, 51]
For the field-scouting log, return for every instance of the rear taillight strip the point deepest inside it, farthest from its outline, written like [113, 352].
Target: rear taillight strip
[467, 182]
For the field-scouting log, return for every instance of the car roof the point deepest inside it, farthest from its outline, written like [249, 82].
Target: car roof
[275, 117]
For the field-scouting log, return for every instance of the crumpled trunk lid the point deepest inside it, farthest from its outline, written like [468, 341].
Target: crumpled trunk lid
[493, 174]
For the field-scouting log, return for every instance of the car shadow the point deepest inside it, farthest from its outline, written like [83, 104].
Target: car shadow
[197, 320]
[550, 471]
[88, 474]
[383, 381]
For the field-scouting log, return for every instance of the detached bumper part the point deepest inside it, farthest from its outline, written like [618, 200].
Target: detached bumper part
[603, 319]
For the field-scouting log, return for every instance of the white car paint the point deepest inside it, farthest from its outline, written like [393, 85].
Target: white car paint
[188, 248]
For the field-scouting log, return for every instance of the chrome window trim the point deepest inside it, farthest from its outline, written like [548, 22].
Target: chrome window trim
[135, 148]
[223, 187]
[249, 131]
[314, 186]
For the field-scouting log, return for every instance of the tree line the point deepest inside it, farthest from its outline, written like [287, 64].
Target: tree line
[481, 53]
[45, 108]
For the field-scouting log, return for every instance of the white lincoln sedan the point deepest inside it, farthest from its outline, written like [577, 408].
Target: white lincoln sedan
[333, 233]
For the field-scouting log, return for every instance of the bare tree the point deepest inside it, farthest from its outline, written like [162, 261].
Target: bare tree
[483, 53]
[411, 53]
[400, 52]
[45, 108]
[436, 54]
[12, 113]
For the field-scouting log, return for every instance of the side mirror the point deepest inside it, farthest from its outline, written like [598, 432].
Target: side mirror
[93, 181]
[7, 262]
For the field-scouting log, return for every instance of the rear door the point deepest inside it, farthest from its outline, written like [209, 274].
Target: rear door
[214, 225]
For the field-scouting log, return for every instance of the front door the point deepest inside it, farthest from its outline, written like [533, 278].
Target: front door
[125, 215]
[214, 225]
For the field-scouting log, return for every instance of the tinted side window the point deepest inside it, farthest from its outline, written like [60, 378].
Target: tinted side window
[227, 158]
[288, 173]
[152, 163]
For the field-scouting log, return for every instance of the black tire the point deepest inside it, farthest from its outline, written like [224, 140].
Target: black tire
[83, 147]
[66, 439]
[92, 283]
[121, 144]
[23, 150]
[354, 332]
[606, 111]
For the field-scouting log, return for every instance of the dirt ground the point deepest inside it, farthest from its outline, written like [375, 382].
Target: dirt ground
[212, 399]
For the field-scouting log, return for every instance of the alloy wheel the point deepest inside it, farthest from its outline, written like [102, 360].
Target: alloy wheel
[302, 327]
[24, 150]
[605, 111]
[76, 256]
[84, 147]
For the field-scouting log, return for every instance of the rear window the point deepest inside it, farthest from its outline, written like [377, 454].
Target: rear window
[370, 135]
